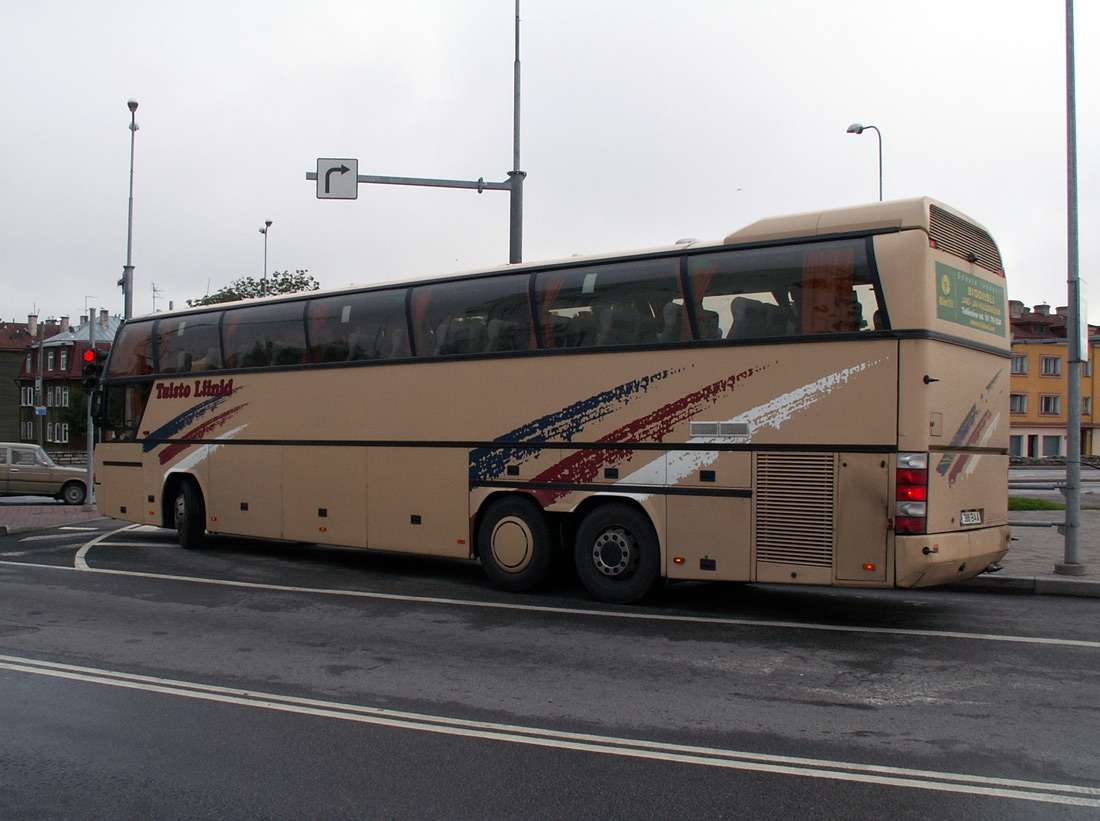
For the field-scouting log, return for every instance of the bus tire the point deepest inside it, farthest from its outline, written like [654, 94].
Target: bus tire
[617, 554]
[515, 546]
[73, 493]
[190, 515]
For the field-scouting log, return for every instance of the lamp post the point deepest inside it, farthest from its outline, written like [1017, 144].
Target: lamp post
[127, 281]
[264, 230]
[859, 128]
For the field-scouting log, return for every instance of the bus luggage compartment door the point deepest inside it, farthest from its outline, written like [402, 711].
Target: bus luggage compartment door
[863, 514]
[710, 518]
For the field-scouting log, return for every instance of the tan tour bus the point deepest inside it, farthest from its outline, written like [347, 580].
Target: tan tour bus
[816, 399]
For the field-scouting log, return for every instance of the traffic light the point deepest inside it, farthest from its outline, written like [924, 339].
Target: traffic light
[92, 371]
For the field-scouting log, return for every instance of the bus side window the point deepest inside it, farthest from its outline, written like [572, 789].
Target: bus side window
[358, 327]
[472, 316]
[188, 343]
[619, 303]
[784, 291]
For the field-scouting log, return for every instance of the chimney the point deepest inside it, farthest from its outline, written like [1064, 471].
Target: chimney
[1042, 310]
[32, 324]
[1062, 310]
[64, 325]
[105, 317]
[83, 319]
[1015, 308]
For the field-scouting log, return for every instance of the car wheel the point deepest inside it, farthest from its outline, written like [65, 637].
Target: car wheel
[73, 493]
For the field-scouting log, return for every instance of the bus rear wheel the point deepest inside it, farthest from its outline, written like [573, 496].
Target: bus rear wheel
[514, 543]
[190, 515]
[617, 554]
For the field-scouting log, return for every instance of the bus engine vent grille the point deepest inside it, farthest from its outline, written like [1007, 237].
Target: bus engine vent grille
[795, 495]
[959, 237]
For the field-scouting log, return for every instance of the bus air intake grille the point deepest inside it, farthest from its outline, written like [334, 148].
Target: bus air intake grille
[795, 495]
[959, 237]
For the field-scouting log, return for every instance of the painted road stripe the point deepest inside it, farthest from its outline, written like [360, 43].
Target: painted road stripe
[82, 565]
[1017, 789]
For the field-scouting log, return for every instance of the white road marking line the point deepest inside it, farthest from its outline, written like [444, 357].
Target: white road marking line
[1071, 794]
[82, 565]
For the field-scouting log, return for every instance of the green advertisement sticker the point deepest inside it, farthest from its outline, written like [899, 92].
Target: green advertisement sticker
[966, 300]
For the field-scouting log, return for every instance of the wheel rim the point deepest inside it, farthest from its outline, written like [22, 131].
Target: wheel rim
[615, 552]
[512, 544]
[181, 511]
[74, 495]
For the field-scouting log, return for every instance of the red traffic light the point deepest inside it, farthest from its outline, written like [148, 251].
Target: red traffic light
[89, 355]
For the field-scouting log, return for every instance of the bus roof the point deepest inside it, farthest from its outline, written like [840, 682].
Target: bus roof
[895, 215]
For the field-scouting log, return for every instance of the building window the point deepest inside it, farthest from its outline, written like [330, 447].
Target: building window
[26, 396]
[1086, 406]
[1018, 403]
[1015, 446]
[1050, 404]
[1052, 446]
[62, 397]
[49, 360]
[1050, 365]
[49, 396]
[1086, 369]
[1019, 363]
[64, 359]
[30, 363]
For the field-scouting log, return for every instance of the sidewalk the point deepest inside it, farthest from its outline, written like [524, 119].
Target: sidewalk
[18, 518]
[1028, 567]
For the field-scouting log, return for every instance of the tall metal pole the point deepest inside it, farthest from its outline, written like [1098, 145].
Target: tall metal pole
[263, 282]
[89, 496]
[1072, 561]
[128, 270]
[515, 226]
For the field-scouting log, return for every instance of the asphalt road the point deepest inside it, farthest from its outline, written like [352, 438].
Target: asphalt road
[257, 680]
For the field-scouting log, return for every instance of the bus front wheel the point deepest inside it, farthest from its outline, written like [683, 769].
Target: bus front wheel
[190, 516]
[617, 554]
[514, 544]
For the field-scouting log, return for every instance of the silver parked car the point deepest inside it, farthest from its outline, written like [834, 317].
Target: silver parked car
[27, 470]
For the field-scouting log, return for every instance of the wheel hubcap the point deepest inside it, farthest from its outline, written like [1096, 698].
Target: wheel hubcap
[512, 544]
[614, 551]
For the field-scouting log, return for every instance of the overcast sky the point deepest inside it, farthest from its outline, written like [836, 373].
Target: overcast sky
[643, 121]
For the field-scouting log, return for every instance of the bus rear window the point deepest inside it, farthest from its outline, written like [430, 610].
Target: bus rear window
[132, 351]
[823, 288]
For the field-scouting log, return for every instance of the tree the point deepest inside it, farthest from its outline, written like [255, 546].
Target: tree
[280, 282]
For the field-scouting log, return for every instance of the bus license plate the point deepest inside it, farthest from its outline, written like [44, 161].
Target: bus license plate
[970, 517]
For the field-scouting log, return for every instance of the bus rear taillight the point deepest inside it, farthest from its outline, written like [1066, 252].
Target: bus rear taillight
[911, 495]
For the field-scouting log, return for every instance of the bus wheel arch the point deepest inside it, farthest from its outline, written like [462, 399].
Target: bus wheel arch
[616, 550]
[515, 541]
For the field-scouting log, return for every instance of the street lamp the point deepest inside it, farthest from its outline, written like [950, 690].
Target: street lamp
[264, 230]
[859, 128]
[127, 281]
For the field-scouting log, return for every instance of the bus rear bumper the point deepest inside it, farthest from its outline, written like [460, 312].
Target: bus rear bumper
[939, 558]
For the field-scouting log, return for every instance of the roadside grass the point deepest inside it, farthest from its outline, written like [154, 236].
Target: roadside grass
[1026, 503]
